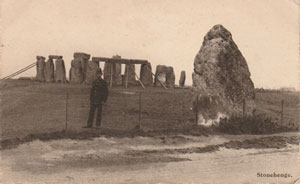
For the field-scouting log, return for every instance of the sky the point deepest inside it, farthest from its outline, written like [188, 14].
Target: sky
[168, 32]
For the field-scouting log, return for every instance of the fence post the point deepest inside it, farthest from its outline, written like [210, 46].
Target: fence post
[244, 107]
[66, 125]
[126, 75]
[140, 109]
[281, 118]
[196, 109]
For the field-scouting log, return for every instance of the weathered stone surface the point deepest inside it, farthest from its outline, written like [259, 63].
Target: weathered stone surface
[116, 57]
[130, 71]
[60, 71]
[84, 61]
[40, 58]
[91, 69]
[55, 57]
[82, 55]
[170, 77]
[123, 79]
[76, 72]
[116, 69]
[146, 74]
[49, 71]
[221, 78]
[164, 74]
[117, 80]
[160, 75]
[107, 70]
[40, 67]
[182, 79]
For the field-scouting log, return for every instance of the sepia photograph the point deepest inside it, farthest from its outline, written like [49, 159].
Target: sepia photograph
[149, 92]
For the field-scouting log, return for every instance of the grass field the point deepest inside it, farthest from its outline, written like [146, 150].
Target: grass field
[29, 107]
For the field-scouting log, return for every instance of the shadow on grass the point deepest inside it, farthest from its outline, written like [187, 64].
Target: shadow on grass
[258, 124]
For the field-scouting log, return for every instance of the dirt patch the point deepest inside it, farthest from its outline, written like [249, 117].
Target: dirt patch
[257, 143]
[263, 142]
[92, 133]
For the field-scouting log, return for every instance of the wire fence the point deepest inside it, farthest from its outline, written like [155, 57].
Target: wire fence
[155, 109]
[133, 110]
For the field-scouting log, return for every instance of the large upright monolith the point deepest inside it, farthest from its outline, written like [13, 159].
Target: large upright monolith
[60, 71]
[49, 70]
[146, 74]
[182, 79]
[40, 69]
[221, 79]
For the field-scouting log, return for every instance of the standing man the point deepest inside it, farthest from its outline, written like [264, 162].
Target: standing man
[98, 97]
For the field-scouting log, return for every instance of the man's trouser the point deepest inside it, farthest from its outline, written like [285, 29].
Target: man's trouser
[92, 113]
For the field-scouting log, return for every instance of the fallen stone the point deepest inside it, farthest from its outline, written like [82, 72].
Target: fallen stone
[221, 79]
[24, 78]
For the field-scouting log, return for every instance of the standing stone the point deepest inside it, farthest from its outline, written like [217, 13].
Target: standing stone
[107, 70]
[116, 76]
[170, 77]
[182, 79]
[146, 74]
[84, 58]
[130, 71]
[123, 79]
[221, 79]
[60, 71]
[160, 75]
[90, 74]
[76, 72]
[117, 79]
[40, 67]
[84, 66]
[164, 74]
[49, 71]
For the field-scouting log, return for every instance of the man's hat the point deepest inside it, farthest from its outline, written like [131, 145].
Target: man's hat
[99, 71]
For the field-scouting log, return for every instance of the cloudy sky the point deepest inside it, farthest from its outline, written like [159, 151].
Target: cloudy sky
[168, 32]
